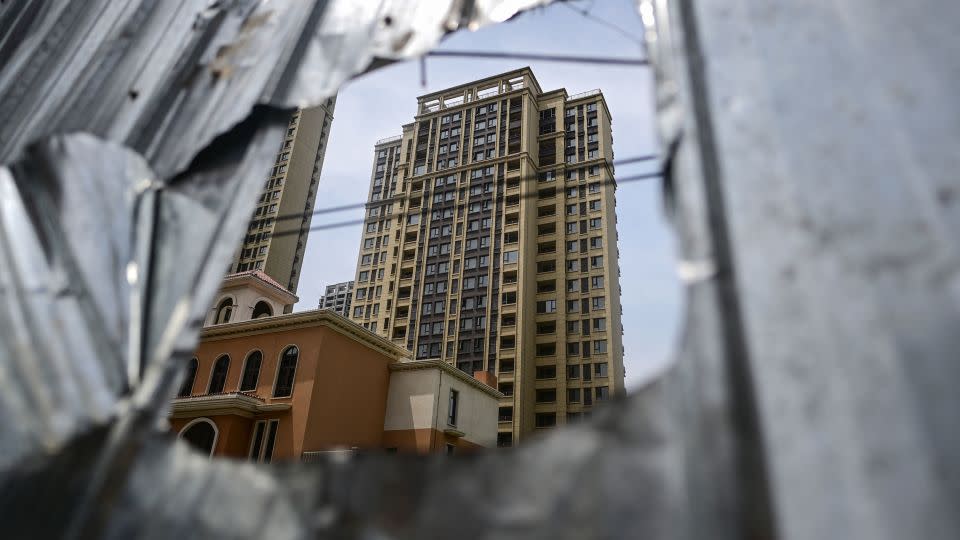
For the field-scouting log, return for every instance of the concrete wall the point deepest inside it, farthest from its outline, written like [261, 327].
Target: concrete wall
[418, 400]
[412, 400]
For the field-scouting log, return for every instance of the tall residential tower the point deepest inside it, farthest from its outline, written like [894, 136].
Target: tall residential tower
[490, 241]
[276, 246]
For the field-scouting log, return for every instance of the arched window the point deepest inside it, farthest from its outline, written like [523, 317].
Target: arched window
[262, 309]
[288, 367]
[186, 387]
[218, 378]
[251, 372]
[224, 311]
[200, 433]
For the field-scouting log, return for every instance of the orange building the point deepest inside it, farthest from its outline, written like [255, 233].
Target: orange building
[290, 386]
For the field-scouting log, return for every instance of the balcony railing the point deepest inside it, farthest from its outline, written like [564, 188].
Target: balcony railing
[594, 92]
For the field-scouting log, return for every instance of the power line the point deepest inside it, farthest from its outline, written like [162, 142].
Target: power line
[496, 55]
[403, 214]
[585, 12]
[359, 205]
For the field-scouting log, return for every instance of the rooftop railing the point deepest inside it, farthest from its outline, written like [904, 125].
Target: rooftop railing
[593, 92]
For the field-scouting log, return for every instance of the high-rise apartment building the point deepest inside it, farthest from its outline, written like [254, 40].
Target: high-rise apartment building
[490, 241]
[337, 298]
[276, 246]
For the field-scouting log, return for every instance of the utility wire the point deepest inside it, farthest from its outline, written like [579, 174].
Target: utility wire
[403, 214]
[585, 12]
[356, 206]
[603, 60]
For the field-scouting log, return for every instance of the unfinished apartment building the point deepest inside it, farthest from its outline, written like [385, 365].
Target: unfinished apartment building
[276, 246]
[490, 241]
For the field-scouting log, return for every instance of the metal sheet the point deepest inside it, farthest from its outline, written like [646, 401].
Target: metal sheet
[809, 177]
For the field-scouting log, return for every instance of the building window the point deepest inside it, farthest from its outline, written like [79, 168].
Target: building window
[602, 393]
[251, 372]
[200, 433]
[218, 377]
[256, 442]
[547, 306]
[262, 450]
[224, 311]
[546, 349]
[546, 395]
[600, 369]
[504, 439]
[542, 420]
[546, 372]
[573, 395]
[186, 387]
[452, 407]
[288, 368]
[262, 309]
[573, 372]
[450, 449]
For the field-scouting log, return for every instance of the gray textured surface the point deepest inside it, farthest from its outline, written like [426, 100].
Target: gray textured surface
[811, 180]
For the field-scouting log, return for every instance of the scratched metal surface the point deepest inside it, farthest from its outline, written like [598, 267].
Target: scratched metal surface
[817, 142]
[810, 181]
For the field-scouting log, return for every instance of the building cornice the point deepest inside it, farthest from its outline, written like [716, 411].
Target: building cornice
[306, 319]
[415, 365]
[252, 279]
[479, 82]
[235, 403]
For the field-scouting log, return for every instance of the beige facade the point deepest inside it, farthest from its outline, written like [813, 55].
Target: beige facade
[249, 295]
[420, 399]
[273, 245]
[291, 387]
[490, 243]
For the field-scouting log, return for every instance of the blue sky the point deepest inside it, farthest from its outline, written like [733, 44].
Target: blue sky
[377, 104]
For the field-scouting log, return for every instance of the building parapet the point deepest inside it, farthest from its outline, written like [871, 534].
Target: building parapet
[412, 365]
[588, 93]
[386, 140]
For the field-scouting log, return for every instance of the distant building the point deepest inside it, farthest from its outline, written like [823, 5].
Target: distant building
[338, 298]
[268, 387]
[276, 246]
[490, 242]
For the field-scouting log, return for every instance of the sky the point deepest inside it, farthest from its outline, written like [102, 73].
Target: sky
[376, 105]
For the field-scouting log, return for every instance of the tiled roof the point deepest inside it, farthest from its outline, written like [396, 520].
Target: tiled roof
[259, 274]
